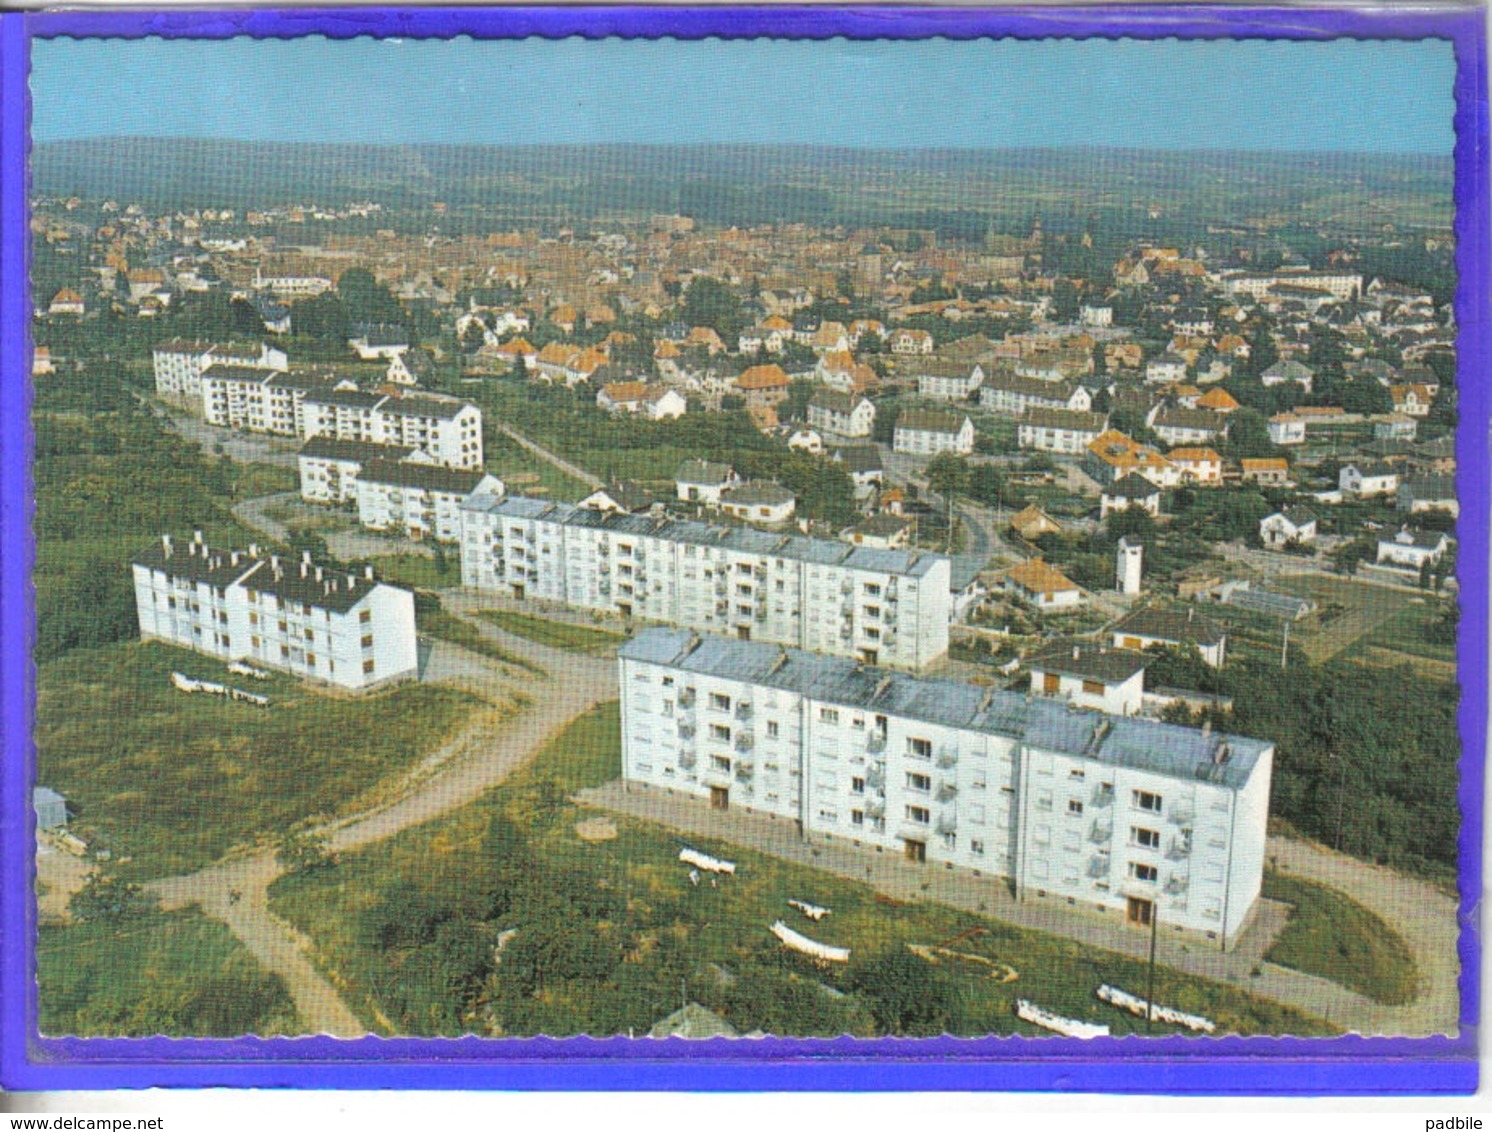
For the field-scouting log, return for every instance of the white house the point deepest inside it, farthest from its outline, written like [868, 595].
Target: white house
[1289, 370]
[1175, 424]
[1154, 626]
[1413, 549]
[763, 503]
[1287, 428]
[1166, 368]
[1429, 493]
[700, 481]
[928, 432]
[841, 415]
[655, 402]
[1043, 586]
[1291, 525]
[1366, 480]
[1128, 818]
[911, 342]
[378, 341]
[1089, 675]
[311, 621]
[1134, 490]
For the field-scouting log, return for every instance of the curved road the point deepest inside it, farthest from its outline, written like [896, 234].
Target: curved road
[493, 745]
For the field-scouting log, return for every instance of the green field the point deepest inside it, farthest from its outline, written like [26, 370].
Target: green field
[604, 933]
[418, 570]
[1412, 631]
[1333, 936]
[527, 474]
[170, 781]
[178, 974]
[435, 621]
[555, 634]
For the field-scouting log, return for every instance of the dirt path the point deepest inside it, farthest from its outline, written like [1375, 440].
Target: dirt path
[235, 889]
[559, 462]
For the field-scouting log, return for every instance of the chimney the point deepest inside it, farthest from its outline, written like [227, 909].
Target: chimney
[1207, 729]
[318, 573]
[305, 557]
[253, 550]
[367, 573]
[166, 545]
[303, 568]
[1076, 649]
[196, 536]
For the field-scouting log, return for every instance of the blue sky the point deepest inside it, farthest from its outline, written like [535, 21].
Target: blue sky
[1371, 96]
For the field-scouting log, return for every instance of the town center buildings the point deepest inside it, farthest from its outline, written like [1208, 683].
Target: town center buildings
[1124, 815]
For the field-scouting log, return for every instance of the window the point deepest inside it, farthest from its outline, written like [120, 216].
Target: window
[1148, 873]
[1077, 772]
[253, 617]
[365, 616]
[857, 817]
[367, 640]
[720, 731]
[771, 729]
[828, 715]
[1093, 687]
[368, 667]
[858, 723]
[668, 681]
[919, 814]
[1074, 807]
[1144, 800]
[977, 848]
[919, 748]
[872, 611]
[1144, 838]
[719, 762]
[719, 702]
[921, 783]
[1050, 683]
[284, 652]
[857, 786]
[872, 589]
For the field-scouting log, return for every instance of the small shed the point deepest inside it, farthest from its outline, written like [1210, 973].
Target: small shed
[50, 807]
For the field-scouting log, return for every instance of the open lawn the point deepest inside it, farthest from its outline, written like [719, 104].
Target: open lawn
[435, 621]
[1333, 936]
[171, 781]
[178, 974]
[502, 919]
[555, 634]
[527, 474]
[1413, 631]
[1349, 611]
[418, 570]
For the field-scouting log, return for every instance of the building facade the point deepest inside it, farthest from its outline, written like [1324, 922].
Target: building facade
[887, 607]
[1132, 817]
[342, 628]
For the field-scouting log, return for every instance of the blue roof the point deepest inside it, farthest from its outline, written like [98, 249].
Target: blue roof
[1145, 744]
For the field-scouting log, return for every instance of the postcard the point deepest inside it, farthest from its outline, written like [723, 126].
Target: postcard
[668, 548]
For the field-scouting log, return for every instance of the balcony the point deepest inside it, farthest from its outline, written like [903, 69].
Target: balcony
[847, 587]
[876, 807]
[686, 729]
[1176, 885]
[686, 698]
[686, 759]
[1100, 832]
[875, 742]
[947, 757]
[947, 791]
[1179, 848]
[947, 824]
[875, 777]
[745, 741]
[1098, 867]
[1103, 796]
[1182, 813]
[744, 772]
[743, 711]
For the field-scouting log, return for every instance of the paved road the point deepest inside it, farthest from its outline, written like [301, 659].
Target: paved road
[488, 749]
[559, 462]
[1425, 917]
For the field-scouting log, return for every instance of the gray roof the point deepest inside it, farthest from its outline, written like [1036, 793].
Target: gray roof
[757, 494]
[286, 578]
[1182, 752]
[1089, 659]
[859, 458]
[424, 405]
[426, 477]
[1429, 487]
[930, 420]
[1170, 625]
[1132, 486]
[703, 472]
[335, 448]
[1075, 419]
[912, 564]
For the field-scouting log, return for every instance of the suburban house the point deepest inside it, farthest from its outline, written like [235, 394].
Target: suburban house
[1395, 426]
[1089, 675]
[1032, 522]
[1177, 425]
[911, 342]
[841, 415]
[378, 341]
[1413, 400]
[1006, 392]
[1133, 490]
[1290, 370]
[66, 302]
[1112, 456]
[655, 402]
[882, 531]
[863, 462]
[1413, 549]
[1429, 493]
[929, 432]
[620, 498]
[1295, 525]
[764, 386]
[1154, 626]
[764, 503]
[1043, 586]
[1267, 471]
[1366, 480]
[700, 481]
[1200, 466]
[1166, 368]
[1287, 428]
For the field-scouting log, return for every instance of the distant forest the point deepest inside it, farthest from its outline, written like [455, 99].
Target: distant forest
[958, 193]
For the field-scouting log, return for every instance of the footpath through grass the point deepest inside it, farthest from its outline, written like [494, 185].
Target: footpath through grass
[174, 973]
[504, 919]
[434, 620]
[555, 634]
[170, 781]
[1331, 935]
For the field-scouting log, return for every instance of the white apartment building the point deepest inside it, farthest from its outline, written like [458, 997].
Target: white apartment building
[448, 429]
[1257, 285]
[928, 432]
[1134, 818]
[888, 607]
[420, 500]
[329, 467]
[257, 398]
[321, 624]
[846, 416]
[1064, 431]
[1011, 393]
[943, 380]
[178, 365]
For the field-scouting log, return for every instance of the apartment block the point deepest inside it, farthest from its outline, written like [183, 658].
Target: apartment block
[345, 629]
[1141, 820]
[888, 607]
[420, 500]
[178, 365]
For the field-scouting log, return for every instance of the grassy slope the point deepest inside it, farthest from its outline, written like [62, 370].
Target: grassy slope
[176, 973]
[556, 634]
[172, 781]
[671, 930]
[1333, 936]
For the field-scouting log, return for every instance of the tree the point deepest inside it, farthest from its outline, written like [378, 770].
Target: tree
[709, 302]
[107, 897]
[306, 851]
[1248, 434]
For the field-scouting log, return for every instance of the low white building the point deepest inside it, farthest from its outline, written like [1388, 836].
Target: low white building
[928, 432]
[1171, 628]
[763, 503]
[1367, 480]
[1292, 525]
[1134, 490]
[1127, 817]
[700, 481]
[1090, 675]
[940, 379]
[318, 623]
[1287, 428]
[841, 415]
[1413, 549]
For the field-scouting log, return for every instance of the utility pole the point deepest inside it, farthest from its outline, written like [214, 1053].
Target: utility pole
[1285, 646]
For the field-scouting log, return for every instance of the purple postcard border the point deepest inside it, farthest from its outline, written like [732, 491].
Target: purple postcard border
[1348, 1065]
